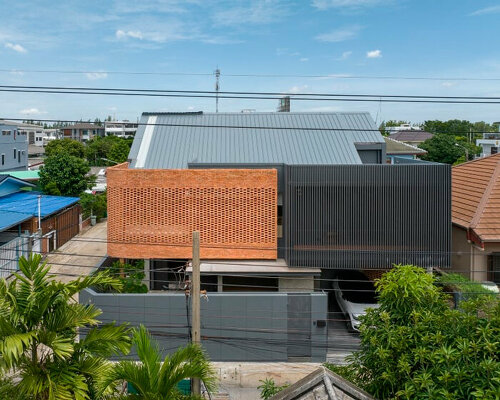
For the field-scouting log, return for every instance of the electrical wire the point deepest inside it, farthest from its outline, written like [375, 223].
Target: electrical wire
[252, 75]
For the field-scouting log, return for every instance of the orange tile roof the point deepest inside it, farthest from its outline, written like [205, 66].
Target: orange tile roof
[476, 197]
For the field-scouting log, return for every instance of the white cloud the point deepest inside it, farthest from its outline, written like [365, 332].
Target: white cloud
[345, 55]
[304, 59]
[297, 89]
[374, 54]
[96, 75]
[340, 35]
[16, 47]
[32, 111]
[16, 73]
[448, 84]
[485, 11]
[120, 34]
[258, 12]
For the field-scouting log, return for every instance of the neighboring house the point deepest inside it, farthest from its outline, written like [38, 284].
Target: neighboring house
[83, 131]
[397, 150]
[402, 127]
[13, 148]
[322, 384]
[49, 135]
[21, 212]
[476, 218]
[489, 143]
[123, 129]
[412, 137]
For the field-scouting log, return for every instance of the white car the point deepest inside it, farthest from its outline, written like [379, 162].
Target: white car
[355, 293]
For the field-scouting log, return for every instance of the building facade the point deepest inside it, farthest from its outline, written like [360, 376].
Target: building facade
[13, 148]
[124, 129]
[82, 132]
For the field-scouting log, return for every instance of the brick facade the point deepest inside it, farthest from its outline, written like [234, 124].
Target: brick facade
[152, 213]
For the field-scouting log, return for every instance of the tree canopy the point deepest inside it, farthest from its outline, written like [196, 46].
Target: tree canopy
[441, 148]
[67, 146]
[415, 346]
[65, 175]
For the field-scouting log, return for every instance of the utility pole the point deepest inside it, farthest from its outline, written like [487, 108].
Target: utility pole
[195, 304]
[217, 87]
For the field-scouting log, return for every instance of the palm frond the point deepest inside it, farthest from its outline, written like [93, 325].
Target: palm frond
[106, 340]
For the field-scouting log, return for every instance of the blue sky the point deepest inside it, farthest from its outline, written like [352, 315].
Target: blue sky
[335, 38]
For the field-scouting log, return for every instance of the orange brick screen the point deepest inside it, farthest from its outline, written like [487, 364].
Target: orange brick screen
[152, 213]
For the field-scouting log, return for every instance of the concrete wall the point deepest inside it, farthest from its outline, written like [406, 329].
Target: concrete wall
[8, 143]
[235, 326]
[296, 284]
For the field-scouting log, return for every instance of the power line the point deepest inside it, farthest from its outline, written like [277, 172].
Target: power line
[215, 92]
[104, 92]
[253, 75]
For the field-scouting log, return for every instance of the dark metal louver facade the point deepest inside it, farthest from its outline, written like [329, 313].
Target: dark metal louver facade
[368, 216]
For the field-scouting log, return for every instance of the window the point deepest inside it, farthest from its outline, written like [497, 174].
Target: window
[494, 150]
[3, 159]
[5, 133]
[19, 156]
[15, 154]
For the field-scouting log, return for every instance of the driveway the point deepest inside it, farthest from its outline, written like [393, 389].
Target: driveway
[341, 342]
[81, 254]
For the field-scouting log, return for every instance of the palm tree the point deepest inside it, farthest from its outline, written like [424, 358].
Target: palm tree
[154, 380]
[39, 325]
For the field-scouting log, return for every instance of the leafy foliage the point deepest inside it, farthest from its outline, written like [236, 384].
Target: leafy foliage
[94, 204]
[269, 388]
[69, 147]
[130, 275]
[110, 147]
[441, 148]
[157, 380]
[65, 173]
[415, 347]
[39, 324]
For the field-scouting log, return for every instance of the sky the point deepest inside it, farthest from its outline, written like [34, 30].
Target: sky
[337, 40]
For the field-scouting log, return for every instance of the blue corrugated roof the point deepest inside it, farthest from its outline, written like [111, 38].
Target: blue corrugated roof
[27, 202]
[175, 140]
[9, 219]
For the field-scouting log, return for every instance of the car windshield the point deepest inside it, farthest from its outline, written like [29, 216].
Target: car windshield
[356, 288]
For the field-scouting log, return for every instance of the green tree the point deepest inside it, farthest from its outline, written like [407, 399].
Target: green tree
[39, 325]
[157, 380]
[65, 173]
[69, 147]
[93, 204]
[416, 347]
[119, 151]
[97, 149]
[441, 148]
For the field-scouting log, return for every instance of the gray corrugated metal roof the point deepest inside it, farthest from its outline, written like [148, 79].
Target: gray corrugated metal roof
[251, 138]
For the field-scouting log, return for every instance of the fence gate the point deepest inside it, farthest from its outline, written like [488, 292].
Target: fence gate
[299, 327]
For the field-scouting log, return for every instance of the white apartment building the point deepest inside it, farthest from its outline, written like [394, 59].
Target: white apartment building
[123, 128]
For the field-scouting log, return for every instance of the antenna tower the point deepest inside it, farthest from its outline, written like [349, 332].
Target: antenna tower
[217, 87]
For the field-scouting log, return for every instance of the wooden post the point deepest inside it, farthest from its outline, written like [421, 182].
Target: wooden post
[195, 304]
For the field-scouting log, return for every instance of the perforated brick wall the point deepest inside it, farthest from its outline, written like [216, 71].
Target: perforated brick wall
[152, 213]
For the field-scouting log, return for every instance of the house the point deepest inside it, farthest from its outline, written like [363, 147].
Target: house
[124, 129]
[322, 384]
[402, 127]
[13, 148]
[400, 152]
[283, 202]
[50, 134]
[412, 137]
[32, 221]
[489, 143]
[303, 190]
[476, 220]
[82, 131]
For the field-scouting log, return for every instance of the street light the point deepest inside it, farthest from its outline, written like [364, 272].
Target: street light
[466, 151]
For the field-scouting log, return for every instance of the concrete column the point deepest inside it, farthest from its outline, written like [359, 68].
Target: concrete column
[220, 283]
[147, 275]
